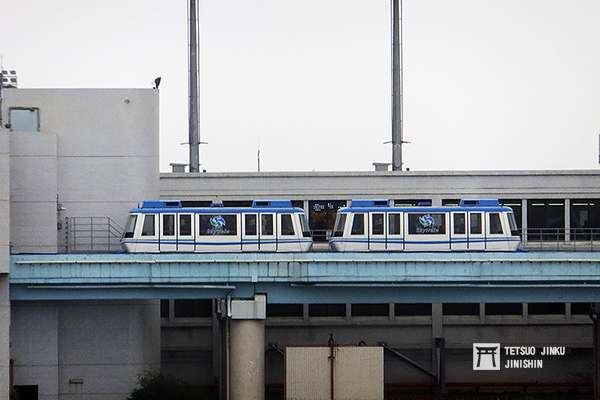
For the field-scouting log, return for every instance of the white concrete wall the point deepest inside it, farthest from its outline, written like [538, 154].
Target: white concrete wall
[104, 344]
[4, 265]
[97, 149]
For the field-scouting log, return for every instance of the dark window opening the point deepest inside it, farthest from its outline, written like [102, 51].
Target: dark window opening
[450, 202]
[168, 224]
[460, 223]
[298, 204]
[460, 309]
[546, 219]
[412, 203]
[26, 392]
[585, 219]
[581, 308]
[185, 225]
[287, 227]
[148, 228]
[546, 308]
[237, 203]
[195, 203]
[412, 310]
[377, 224]
[503, 309]
[322, 214]
[495, 224]
[394, 224]
[358, 224]
[327, 310]
[193, 308]
[164, 308]
[266, 224]
[370, 310]
[475, 224]
[284, 310]
[250, 224]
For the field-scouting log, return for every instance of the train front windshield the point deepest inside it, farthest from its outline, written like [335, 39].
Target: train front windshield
[129, 228]
[514, 231]
[338, 228]
[305, 227]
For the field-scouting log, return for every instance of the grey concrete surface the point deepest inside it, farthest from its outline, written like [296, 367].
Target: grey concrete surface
[247, 360]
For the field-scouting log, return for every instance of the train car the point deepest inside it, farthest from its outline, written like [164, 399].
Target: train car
[166, 226]
[475, 225]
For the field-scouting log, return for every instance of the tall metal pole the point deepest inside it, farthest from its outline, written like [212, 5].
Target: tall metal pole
[397, 85]
[193, 107]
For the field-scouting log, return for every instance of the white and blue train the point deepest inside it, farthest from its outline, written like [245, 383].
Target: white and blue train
[166, 226]
[475, 225]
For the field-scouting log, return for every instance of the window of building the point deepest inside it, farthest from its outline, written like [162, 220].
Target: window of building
[450, 202]
[394, 224]
[358, 224]
[460, 308]
[26, 392]
[460, 223]
[164, 308]
[237, 203]
[503, 309]
[168, 224]
[545, 219]
[581, 308]
[148, 227]
[193, 308]
[412, 203]
[370, 310]
[185, 225]
[427, 224]
[287, 227]
[23, 119]
[585, 219]
[495, 224]
[218, 225]
[250, 224]
[327, 310]
[266, 224]
[546, 308]
[322, 214]
[284, 310]
[475, 227]
[377, 224]
[412, 310]
[298, 204]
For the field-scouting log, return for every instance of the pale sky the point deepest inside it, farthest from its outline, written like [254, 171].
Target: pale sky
[512, 84]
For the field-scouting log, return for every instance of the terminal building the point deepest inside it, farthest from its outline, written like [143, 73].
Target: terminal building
[73, 162]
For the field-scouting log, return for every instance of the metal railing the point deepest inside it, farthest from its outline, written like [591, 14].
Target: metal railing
[92, 234]
[561, 239]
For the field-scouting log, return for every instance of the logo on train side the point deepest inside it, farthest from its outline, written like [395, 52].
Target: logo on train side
[426, 221]
[218, 225]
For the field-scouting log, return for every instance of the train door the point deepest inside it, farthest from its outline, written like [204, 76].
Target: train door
[185, 233]
[288, 233]
[167, 232]
[496, 238]
[377, 232]
[458, 231]
[267, 232]
[359, 238]
[149, 237]
[476, 238]
[250, 232]
[395, 239]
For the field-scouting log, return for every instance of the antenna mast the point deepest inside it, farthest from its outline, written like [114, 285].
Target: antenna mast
[397, 134]
[193, 107]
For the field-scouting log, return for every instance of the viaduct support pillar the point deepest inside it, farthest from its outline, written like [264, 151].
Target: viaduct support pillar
[247, 349]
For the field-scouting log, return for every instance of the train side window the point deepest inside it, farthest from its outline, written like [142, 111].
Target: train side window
[250, 224]
[168, 225]
[130, 228]
[266, 224]
[287, 227]
[495, 224]
[148, 228]
[459, 224]
[377, 224]
[475, 224]
[358, 225]
[394, 224]
[185, 225]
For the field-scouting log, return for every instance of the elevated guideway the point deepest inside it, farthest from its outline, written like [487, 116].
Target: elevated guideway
[312, 277]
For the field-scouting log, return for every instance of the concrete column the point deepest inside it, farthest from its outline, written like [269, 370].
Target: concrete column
[524, 219]
[4, 337]
[567, 220]
[247, 349]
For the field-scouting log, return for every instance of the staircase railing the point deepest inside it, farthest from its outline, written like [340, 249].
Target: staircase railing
[92, 234]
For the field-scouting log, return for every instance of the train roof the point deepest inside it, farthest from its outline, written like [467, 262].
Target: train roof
[369, 205]
[259, 205]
